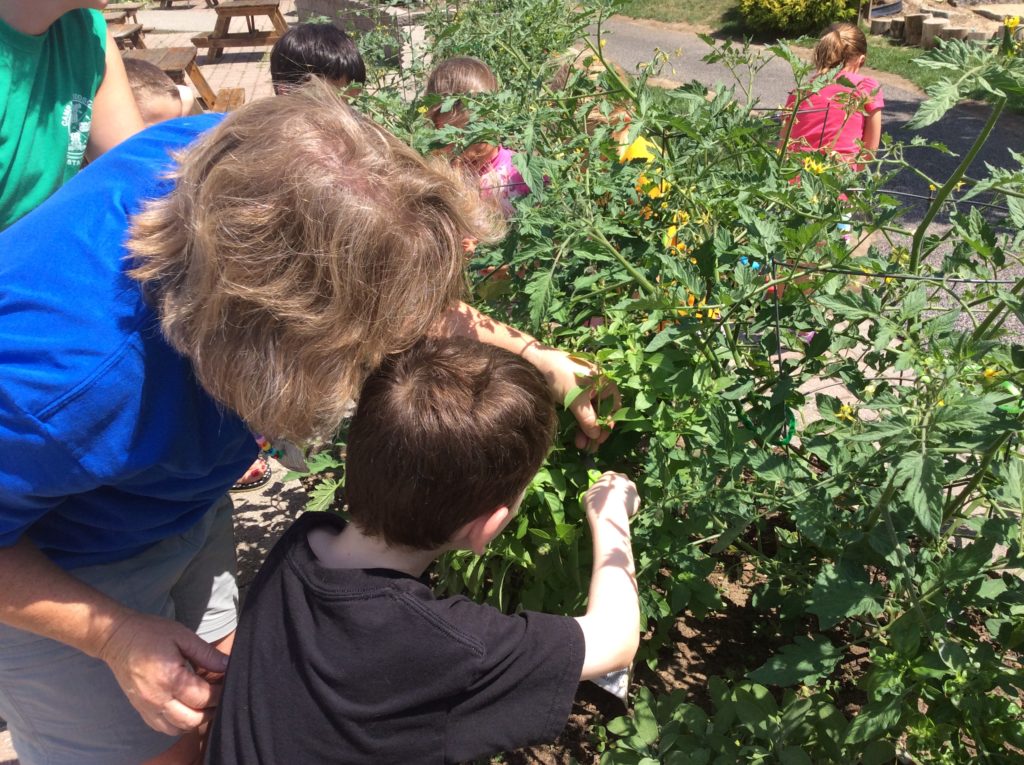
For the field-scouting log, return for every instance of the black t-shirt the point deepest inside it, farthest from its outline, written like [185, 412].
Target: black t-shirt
[367, 666]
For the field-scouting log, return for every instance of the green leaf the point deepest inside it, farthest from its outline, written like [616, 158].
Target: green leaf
[323, 496]
[878, 752]
[874, 720]
[942, 96]
[643, 716]
[920, 474]
[794, 755]
[540, 288]
[805, 660]
[842, 591]
[621, 726]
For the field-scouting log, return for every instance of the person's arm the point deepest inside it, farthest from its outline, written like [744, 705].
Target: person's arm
[151, 657]
[611, 627]
[115, 116]
[562, 372]
[872, 133]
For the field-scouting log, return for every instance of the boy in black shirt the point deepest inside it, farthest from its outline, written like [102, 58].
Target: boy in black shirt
[343, 653]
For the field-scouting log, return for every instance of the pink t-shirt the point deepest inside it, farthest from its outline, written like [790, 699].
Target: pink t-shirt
[821, 121]
[500, 180]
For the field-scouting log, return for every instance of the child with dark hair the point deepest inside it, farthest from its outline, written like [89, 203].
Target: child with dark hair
[344, 654]
[315, 50]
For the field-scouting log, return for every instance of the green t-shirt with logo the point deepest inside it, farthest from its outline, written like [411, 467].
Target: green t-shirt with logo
[47, 85]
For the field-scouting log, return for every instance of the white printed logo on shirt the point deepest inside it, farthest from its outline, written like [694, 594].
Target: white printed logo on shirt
[77, 118]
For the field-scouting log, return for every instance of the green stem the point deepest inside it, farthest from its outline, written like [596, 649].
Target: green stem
[956, 503]
[950, 184]
[632, 270]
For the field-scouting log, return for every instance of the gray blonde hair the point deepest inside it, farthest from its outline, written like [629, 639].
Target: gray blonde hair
[302, 244]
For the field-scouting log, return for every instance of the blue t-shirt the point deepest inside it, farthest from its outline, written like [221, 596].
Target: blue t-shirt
[107, 442]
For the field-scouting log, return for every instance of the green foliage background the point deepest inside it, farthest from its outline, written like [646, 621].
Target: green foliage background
[681, 276]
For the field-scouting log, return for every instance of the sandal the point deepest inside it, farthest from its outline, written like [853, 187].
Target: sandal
[254, 483]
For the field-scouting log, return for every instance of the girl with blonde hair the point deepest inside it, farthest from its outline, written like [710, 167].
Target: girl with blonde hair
[845, 116]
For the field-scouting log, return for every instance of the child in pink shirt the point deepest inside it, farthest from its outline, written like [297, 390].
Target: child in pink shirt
[838, 118]
[499, 178]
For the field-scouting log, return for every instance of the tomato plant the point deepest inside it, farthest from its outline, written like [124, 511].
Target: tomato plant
[837, 403]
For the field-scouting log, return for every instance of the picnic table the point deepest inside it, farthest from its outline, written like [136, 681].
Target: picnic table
[176, 63]
[220, 38]
[128, 9]
[114, 17]
[127, 36]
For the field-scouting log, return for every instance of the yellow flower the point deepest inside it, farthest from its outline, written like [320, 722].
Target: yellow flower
[641, 148]
[941, 402]
[846, 413]
[422, 110]
[814, 165]
[991, 372]
[603, 42]
[681, 217]
[959, 185]
[1011, 22]
[931, 187]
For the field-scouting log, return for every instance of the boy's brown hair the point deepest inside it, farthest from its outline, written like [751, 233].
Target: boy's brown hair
[443, 433]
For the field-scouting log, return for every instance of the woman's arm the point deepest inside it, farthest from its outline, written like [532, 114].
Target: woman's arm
[115, 116]
[152, 658]
[562, 372]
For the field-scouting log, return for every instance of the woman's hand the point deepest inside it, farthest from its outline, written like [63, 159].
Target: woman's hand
[564, 373]
[592, 407]
[159, 665]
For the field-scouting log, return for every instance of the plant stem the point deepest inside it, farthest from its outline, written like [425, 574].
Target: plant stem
[950, 184]
[632, 270]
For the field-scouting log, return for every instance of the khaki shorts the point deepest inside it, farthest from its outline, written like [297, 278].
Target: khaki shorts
[65, 708]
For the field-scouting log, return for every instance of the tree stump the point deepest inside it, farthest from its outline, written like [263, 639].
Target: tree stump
[913, 25]
[953, 33]
[930, 30]
[896, 29]
[979, 35]
[880, 26]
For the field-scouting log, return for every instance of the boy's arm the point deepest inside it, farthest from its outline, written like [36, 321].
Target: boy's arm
[611, 627]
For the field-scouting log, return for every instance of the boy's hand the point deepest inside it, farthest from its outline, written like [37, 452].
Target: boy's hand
[611, 493]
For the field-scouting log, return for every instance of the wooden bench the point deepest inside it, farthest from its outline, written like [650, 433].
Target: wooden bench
[127, 36]
[165, 4]
[220, 38]
[229, 99]
[130, 10]
[114, 17]
[177, 63]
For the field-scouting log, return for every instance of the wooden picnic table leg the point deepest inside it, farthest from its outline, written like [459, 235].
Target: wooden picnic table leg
[137, 40]
[220, 30]
[250, 22]
[278, 21]
[205, 91]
